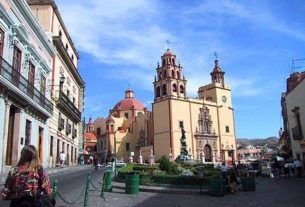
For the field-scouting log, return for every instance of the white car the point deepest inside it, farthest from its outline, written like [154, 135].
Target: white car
[120, 163]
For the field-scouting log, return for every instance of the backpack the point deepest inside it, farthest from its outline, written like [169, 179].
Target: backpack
[41, 198]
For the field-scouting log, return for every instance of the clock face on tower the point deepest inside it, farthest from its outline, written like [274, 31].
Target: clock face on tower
[224, 99]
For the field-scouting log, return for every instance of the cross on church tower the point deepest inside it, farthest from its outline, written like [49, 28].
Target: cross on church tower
[167, 43]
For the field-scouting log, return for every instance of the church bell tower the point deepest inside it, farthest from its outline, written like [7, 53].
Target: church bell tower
[169, 82]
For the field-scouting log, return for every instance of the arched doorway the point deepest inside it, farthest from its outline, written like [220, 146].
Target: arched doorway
[208, 153]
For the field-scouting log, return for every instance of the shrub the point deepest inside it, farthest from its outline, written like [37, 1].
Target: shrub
[180, 180]
[165, 164]
[127, 168]
[148, 169]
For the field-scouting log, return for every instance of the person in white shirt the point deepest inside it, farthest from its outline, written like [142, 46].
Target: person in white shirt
[62, 159]
[298, 166]
[224, 170]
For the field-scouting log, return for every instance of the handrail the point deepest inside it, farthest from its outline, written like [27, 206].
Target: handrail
[69, 104]
[13, 76]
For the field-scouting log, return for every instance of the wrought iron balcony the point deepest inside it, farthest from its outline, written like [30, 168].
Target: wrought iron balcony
[297, 133]
[14, 77]
[70, 110]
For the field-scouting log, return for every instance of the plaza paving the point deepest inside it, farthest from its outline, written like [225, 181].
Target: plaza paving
[268, 192]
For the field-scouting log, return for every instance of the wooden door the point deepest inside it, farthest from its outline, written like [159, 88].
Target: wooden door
[40, 143]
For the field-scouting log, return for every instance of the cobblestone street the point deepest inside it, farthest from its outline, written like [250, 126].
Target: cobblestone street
[268, 192]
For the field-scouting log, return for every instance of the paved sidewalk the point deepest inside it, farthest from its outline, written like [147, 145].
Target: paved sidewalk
[283, 193]
[53, 171]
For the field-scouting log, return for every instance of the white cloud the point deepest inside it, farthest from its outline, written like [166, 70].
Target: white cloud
[132, 34]
[245, 86]
[258, 15]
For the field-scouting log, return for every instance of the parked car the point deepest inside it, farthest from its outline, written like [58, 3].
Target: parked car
[120, 163]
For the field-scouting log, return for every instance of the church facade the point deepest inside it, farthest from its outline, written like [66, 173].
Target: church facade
[208, 121]
[131, 131]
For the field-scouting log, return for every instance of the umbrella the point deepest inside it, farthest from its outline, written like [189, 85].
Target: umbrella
[85, 152]
[279, 158]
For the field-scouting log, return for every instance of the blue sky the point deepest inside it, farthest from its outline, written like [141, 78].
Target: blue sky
[120, 44]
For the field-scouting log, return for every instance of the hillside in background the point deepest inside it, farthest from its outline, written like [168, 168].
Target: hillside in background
[270, 142]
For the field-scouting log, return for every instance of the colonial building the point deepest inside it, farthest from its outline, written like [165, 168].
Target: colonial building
[90, 139]
[208, 121]
[66, 84]
[128, 129]
[293, 113]
[26, 62]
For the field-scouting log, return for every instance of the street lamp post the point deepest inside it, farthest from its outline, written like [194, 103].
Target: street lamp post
[233, 158]
[115, 170]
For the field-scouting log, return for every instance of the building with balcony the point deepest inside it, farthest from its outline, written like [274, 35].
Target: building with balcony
[66, 84]
[25, 68]
[293, 113]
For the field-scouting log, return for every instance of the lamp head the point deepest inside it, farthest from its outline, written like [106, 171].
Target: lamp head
[62, 79]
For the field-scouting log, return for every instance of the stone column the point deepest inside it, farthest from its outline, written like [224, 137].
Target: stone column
[5, 133]
[141, 158]
[214, 156]
[202, 157]
[16, 136]
[130, 159]
[151, 158]
[170, 155]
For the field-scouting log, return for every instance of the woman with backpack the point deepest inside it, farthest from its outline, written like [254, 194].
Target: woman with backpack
[27, 184]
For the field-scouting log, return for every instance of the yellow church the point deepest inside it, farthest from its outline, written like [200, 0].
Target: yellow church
[134, 134]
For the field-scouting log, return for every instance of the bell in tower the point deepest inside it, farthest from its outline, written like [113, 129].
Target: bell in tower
[170, 81]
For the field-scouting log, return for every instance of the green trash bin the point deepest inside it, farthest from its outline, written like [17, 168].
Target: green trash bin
[107, 181]
[132, 183]
[217, 187]
[248, 184]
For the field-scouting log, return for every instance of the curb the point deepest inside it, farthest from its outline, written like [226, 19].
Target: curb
[165, 190]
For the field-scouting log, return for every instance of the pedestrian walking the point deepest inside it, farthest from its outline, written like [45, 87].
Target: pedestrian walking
[298, 167]
[287, 169]
[276, 170]
[27, 184]
[291, 166]
[239, 169]
[224, 170]
[62, 159]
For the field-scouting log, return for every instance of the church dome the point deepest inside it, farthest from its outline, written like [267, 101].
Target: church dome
[128, 103]
[90, 135]
[168, 52]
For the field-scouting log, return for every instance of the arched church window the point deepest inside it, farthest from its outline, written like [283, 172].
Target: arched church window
[158, 92]
[163, 62]
[174, 87]
[173, 74]
[173, 61]
[164, 74]
[168, 61]
[126, 115]
[160, 75]
[206, 127]
[178, 75]
[208, 153]
[181, 89]
[112, 128]
[164, 90]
